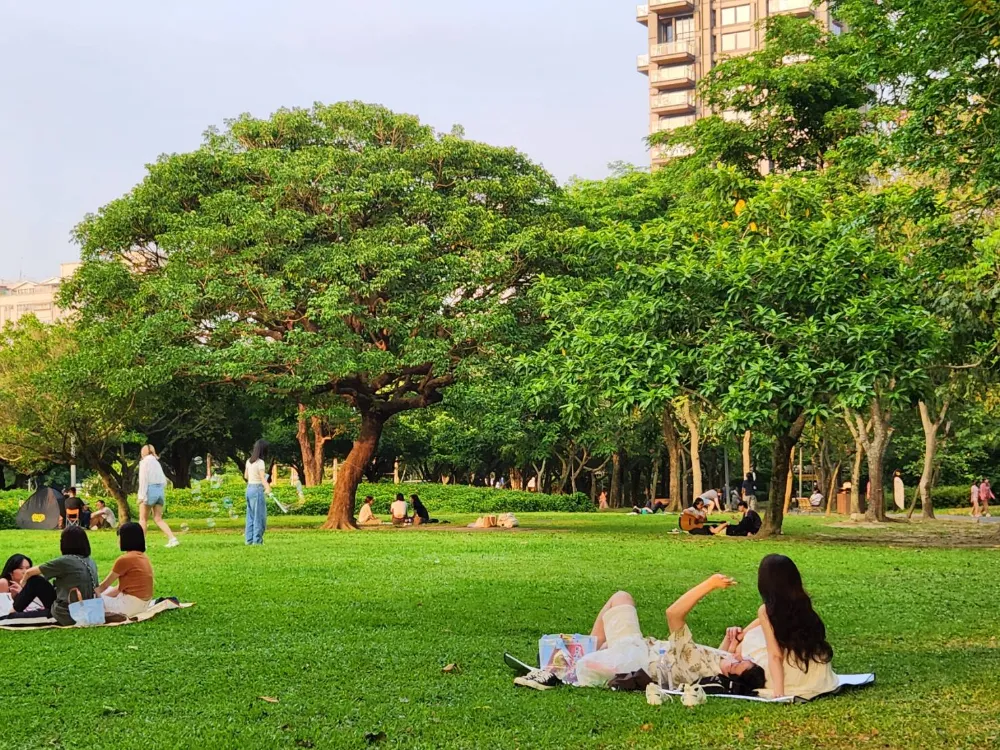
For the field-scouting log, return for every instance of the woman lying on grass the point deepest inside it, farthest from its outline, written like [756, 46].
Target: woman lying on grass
[132, 572]
[782, 653]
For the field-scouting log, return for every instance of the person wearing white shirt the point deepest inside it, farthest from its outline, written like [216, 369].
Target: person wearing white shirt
[152, 487]
[257, 489]
[400, 510]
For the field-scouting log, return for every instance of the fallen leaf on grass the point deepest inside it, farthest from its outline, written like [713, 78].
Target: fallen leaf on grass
[304, 743]
[373, 738]
[451, 668]
[268, 699]
[646, 727]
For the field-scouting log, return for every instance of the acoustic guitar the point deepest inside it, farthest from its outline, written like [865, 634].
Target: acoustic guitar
[688, 522]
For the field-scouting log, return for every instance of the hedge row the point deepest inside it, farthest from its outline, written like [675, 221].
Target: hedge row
[316, 501]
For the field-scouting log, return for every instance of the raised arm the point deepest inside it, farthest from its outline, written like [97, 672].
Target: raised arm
[678, 611]
[775, 656]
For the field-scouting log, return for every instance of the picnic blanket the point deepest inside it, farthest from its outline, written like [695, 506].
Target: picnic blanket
[43, 622]
[844, 682]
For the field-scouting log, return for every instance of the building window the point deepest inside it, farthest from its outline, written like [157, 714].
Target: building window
[739, 40]
[737, 14]
[672, 29]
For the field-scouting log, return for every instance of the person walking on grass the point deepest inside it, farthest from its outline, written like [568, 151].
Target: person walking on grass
[985, 495]
[257, 489]
[152, 493]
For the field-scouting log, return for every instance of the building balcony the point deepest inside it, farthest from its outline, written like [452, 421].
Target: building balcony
[642, 63]
[669, 7]
[674, 103]
[662, 154]
[790, 7]
[677, 77]
[642, 14]
[666, 124]
[681, 50]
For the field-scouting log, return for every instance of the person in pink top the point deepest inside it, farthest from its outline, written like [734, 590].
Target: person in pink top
[985, 495]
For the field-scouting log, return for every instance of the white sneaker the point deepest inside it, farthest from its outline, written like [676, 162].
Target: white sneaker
[175, 542]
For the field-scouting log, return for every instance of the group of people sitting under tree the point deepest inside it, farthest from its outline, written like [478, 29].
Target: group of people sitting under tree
[399, 512]
[783, 652]
[48, 589]
[76, 512]
[748, 525]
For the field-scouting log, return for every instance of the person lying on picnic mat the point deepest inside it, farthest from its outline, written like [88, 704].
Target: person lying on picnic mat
[783, 652]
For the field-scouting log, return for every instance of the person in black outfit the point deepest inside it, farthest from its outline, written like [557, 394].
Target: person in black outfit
[749, 525]
[420, 510]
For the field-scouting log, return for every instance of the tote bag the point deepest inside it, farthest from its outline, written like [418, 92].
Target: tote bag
[86, 613]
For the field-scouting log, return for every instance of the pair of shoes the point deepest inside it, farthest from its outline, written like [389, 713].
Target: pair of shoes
[538, 679]
[173, 543]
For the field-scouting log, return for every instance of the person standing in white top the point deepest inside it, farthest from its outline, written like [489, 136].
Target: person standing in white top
[257, 489]
[152, 486]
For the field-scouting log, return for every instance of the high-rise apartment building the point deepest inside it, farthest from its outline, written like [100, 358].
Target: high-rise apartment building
[687, 38]
[19, 298]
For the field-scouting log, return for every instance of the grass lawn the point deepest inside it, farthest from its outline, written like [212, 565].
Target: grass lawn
[350, 633]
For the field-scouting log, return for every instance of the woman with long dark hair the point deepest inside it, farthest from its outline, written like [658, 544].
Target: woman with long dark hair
[788, 638]
[257, 489]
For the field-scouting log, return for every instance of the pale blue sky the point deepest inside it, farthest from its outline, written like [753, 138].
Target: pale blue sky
[92, 91]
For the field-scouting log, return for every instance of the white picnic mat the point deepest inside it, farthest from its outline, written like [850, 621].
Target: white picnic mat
[844, 682]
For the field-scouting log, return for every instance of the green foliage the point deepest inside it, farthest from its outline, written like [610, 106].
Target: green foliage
[352, 638]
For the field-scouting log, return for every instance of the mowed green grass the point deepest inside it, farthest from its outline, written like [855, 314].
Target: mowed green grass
[351, 632]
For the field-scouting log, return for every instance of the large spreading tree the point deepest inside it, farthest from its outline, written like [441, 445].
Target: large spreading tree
[343, 251]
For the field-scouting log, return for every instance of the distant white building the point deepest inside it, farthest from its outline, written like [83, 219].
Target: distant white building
[19, 298]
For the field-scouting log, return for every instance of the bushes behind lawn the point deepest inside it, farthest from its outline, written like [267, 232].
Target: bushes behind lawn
[437, 497]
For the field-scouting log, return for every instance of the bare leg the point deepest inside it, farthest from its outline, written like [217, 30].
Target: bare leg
[158, 517]
[719, 530]
[143, 516]
[621, 597]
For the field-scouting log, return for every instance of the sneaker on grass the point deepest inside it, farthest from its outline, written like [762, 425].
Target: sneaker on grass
[172, 543]
[538, 679]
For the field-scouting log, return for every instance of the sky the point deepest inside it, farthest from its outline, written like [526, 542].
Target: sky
[91, 92]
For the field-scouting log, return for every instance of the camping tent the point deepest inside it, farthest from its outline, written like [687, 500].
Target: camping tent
[42, 510]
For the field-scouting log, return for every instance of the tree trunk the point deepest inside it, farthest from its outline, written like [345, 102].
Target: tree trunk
[874, 437]
[113, 485]
[615, 496]
[694, 429]
[831, 495]
[781, 462]
[654, 479]
[516, 479]
[789, 484]
[341, 514]
[859, 457]
[747, 458]
[672, 439]
[312, 446]
[930, 454]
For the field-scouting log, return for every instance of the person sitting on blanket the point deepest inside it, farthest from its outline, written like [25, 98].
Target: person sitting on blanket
[622, 650]
[420, 511]
[73, 570]
[749, 525]
[788, 638]
[698, 512]
[399, 510]
[133, 573]
[11, 580]
[365, 516]
[103, 517]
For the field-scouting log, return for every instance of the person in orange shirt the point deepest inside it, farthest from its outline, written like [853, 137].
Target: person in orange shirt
[132, 572]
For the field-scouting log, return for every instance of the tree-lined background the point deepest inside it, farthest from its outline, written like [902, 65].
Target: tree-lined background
[812, 279]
